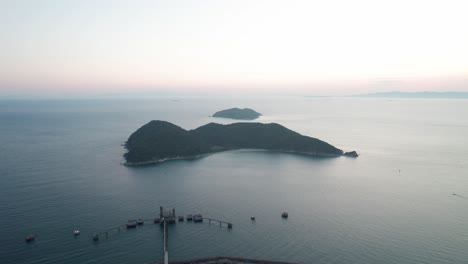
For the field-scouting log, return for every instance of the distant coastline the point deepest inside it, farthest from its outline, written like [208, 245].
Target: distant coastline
[397, 94]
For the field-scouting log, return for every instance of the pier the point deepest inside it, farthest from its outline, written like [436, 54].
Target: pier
[166, 252]
[166, 217]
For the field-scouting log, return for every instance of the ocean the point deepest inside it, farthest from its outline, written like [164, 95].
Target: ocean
[60, 170]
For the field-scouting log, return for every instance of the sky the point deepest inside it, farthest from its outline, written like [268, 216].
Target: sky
[314, 47]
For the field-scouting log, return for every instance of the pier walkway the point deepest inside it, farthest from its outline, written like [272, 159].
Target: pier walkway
[166, 252]
[229, 225]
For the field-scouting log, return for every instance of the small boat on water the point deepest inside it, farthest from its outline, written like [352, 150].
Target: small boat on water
[252, 218]
[29, 238]
[96, 237]
[198, 218]
[76, 232]
[140, 221]
[189, 217]
[181, 218]
[132, 224]
[157, 220]
[284, 215]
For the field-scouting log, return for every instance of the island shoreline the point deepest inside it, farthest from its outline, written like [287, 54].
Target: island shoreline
[160, 141]
[159, 161]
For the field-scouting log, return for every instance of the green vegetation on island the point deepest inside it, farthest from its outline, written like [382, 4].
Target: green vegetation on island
[237, 113]
[158, 141]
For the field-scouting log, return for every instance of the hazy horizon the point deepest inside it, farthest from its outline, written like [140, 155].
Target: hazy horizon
[306, 47]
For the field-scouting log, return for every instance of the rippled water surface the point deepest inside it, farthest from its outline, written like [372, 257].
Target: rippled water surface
[60, 170]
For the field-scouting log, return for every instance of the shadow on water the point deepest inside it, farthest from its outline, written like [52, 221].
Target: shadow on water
[235, 151]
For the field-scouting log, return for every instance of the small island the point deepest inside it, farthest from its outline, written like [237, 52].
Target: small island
[159, 141]
[237, 113]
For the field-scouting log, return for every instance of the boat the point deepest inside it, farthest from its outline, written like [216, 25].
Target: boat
[252, 218]
[96, 237]
[140, 221]
[284, 215]
[189, 217]
[76, 232]
[181, 218]
[132, 224]
[157, 220]
[198, 218]
[29, 238]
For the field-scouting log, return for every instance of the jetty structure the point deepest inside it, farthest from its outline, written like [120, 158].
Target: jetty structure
[166, 217]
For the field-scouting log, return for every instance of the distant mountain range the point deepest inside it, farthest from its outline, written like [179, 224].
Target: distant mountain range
[447, 95]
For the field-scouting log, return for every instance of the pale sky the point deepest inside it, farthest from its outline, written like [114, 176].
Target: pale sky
[313, 46]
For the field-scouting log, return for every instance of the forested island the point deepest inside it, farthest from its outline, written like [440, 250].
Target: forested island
[158, 141]
[237, 113]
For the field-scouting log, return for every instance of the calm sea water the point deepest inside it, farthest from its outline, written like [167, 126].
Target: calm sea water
[60, 170]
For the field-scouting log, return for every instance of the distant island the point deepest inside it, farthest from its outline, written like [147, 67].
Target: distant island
[158, 141]
[396, 94]
[237, 113]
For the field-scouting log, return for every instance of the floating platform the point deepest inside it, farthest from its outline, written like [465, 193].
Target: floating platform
[170, 220]
[197, 218]
[132, 223]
